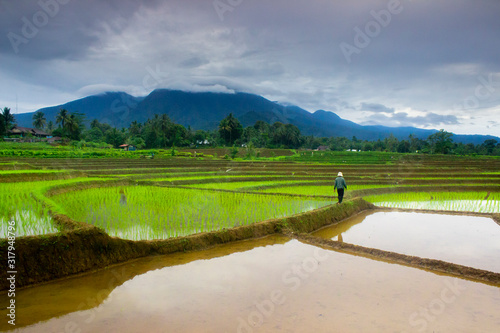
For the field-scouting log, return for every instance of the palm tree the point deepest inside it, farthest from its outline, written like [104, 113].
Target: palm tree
[165, 125]
[2, 126]
[94, 123]
[161, 125]
[8, 118]
[39, 120]
[73, 125]
[135, 128]
[50, 126]
[230, 129]
[62, 117]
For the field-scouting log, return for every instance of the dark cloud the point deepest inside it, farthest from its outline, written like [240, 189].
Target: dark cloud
[428, 56]
[49, 29]
[374, 107]
[194, 62]
[429, 120]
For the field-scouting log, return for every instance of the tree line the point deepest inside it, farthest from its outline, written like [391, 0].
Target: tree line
[162, 132]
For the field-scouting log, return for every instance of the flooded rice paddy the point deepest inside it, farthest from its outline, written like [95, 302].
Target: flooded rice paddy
[272, 284]
[479, 206]
[151, 212]
[27, 223]
[465, 240]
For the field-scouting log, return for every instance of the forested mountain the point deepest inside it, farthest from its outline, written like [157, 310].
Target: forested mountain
[205, 110]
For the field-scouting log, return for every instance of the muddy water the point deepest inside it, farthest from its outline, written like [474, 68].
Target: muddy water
[268, 285]
[466, 240]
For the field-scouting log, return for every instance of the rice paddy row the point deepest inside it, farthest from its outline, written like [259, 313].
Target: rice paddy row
[149, 212]
[18, 203]
[479, 202]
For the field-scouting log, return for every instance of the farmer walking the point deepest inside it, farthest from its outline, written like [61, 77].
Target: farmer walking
[340, 185]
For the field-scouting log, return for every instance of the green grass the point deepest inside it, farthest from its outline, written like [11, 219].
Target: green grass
[148, 212]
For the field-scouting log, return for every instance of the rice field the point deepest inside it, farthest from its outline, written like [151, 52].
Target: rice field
[243, 185]
[18, 203]
[149, 212]
[202, 202]
[479, 202]
[322, 190]
[163, 198]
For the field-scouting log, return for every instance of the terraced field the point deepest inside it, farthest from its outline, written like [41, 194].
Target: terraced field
[405, 181]
[68, 216]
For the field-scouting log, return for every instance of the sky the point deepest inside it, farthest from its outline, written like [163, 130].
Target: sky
[431, 64]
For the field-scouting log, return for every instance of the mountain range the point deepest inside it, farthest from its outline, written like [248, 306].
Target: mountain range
[204, 110]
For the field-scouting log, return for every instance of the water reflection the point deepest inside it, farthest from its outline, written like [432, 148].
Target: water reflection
[275, 284]
[465, 240]
[91, 290]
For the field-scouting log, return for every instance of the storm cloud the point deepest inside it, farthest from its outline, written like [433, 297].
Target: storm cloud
[431, 64]
[374, 107]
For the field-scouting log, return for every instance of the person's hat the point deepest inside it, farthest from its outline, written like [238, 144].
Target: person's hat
[340, 174]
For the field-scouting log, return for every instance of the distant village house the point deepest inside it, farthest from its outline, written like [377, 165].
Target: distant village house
[322, 148]
[54, 139]
[127, 147]
[25, 131]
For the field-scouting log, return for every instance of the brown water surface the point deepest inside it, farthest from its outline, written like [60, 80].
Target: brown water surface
[268, 285]
[465, 240]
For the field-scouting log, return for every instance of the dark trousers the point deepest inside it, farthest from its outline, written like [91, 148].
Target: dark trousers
[340, 192]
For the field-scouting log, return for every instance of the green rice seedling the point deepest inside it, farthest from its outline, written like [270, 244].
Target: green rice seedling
[9, 172]
[30, 216]
[494, 196]
[245, 185]
[449, 201]
[214, 177]
[29, 222]
[155, 212]
[18, 207]
[326, 190]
